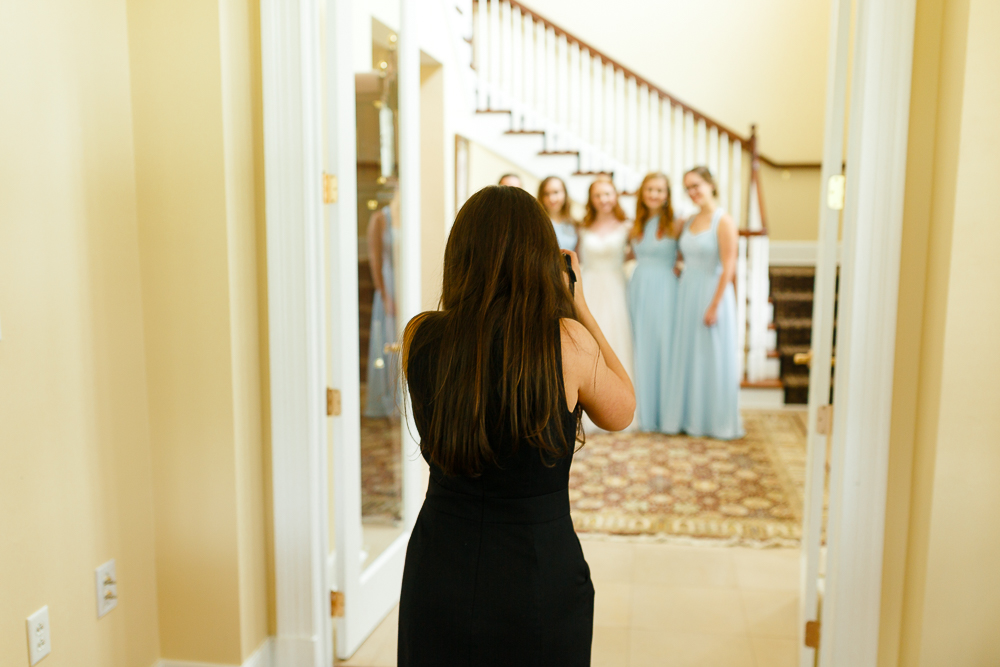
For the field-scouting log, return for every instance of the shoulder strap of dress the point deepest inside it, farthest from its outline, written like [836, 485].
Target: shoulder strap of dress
[715, 219]
[687, 224]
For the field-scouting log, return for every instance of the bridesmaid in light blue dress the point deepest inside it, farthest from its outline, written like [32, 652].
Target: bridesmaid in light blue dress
[702, 387]
[652, 293]
[552, 197]
[381, 388]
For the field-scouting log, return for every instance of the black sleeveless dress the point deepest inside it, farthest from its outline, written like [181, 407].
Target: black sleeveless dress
[494, 571]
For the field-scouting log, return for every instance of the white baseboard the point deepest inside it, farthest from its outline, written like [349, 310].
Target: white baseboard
[794, 253]
[262, 657]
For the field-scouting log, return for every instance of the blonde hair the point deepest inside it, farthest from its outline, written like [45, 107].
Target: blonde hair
[643, 214]
[591, 214]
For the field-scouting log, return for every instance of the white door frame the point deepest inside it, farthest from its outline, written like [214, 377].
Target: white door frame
[866, 330]
[293, 164]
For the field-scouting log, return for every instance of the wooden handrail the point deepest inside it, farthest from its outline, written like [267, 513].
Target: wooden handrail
[698, 115]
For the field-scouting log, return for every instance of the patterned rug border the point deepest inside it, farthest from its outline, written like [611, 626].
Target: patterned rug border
[685, 541]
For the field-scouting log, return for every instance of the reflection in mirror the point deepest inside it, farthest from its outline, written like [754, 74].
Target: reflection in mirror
[378, 235]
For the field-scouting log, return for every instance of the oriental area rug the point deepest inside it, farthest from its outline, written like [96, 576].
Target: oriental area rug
[381, 471]
[745, 492]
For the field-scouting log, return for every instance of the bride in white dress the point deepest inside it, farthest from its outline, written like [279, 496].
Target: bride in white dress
[603, 243]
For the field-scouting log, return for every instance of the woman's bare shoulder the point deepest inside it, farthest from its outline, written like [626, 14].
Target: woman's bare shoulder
[577, 343]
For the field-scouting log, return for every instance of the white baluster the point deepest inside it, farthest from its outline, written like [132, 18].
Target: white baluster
[517, 68]
[609, 109]
[713, 151]
[631, 123]
[481, 18]
[528, 71]
[597, 106]
[587, 101]
[736, 183]
[495, 54]
[541, 74]
[722, 177]
[552, 68]
[701, 143]
[653, 113]
[666, 145]
[505, 53]
[677, 161]
[620, 95]
[575, 76]
[562, 117]
[690, 158]
[643, 134]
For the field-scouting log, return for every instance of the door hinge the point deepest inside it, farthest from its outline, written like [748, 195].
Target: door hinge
[824, 419]
[332, 402]
[336, 604]
[812, 634]
[329, 188]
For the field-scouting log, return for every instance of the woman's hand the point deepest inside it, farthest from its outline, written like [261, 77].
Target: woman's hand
[679, 267]
[711, 317]
[578, 298]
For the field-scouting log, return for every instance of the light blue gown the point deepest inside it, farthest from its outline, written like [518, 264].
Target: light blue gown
[702, 387]
[566, 234]
[652, 294]
[382, 366]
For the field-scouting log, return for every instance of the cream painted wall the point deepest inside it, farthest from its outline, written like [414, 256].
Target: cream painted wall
[943, 609]
[195, 182]
[75, 459]
[739, 62]
[486, 168]
[433, 209]
[791, 200]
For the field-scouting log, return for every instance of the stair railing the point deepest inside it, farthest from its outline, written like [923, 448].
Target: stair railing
[616, 122]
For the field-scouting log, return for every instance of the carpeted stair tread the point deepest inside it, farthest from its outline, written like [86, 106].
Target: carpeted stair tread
[793, 323]
[792, 295]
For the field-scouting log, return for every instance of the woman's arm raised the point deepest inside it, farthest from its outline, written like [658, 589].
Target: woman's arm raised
[593, 374]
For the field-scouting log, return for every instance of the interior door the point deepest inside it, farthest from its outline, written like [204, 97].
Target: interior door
[374, 468]
[823, 326]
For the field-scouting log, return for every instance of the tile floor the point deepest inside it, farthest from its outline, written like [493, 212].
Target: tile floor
[674, 606]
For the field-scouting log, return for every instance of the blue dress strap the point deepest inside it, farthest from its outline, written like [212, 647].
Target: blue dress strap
[715, 220]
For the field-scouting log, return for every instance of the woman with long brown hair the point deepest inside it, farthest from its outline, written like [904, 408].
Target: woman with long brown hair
[652, 292]
[603, 244]
[552, 196]
[703, 383]
[498, 380]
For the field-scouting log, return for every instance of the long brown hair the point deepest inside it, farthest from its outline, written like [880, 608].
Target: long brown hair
[503, 292]
[564, 213]
[591, 214]
[643, 214]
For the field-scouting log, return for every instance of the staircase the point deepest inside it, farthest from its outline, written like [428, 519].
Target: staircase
[792, 295]
[552, 104]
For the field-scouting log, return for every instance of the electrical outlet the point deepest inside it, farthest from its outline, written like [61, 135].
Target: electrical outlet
[39, 641]
[107, 588]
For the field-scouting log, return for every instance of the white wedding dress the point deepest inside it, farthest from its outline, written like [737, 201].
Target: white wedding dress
[602, 263]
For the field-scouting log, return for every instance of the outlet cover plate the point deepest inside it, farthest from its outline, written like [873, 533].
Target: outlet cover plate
[39, 640]
[107, 588]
